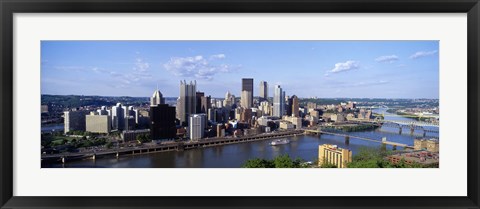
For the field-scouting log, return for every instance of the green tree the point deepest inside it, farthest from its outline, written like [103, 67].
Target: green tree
[370, 158]
[326, 164]
[258, 163]
[143, 138]
[283, 161]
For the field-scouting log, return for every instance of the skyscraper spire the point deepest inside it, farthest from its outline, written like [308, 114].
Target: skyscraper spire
[157, 98]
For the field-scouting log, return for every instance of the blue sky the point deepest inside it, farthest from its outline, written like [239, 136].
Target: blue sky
[359, 69]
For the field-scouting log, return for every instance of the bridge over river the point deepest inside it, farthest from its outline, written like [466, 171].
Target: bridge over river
[401, 125]
[348, 137]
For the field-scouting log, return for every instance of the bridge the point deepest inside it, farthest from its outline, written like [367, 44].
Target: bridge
[401, 125]
[416, 123]
[347, 138]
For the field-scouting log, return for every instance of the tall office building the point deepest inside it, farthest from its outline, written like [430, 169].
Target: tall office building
[186, 103]
[332, 154]
[288, 105]
[203, 102]
[247, 98]
[157, 98]
[118, 117]
[162, 122]
[295, 106]
[74, 120]
[263, 90]
[98, 123]
[197, 126]
[246, 101]
[278, 102]
[206, 104]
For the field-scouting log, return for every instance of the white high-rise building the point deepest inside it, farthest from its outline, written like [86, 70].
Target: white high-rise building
[118, 117]
[197, 126]
[278, 102]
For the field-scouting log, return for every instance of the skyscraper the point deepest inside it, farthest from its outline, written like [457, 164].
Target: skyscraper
[198, 100]
[197, 126]
[186, 103]
[263, 90]
[247, 98]
[157, 98]
[118, 117]
[74, 120]
[206, 103]
[288, 105]
[278, 102]
[246, 101]
[162, 122]
[295, 106]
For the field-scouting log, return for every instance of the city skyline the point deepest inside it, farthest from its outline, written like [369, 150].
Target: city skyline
[324, 69]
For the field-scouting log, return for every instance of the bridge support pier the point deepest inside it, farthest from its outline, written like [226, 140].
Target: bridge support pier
[400, 131]
[347, 140]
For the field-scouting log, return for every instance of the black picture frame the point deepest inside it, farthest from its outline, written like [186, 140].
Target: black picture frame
[10, 7]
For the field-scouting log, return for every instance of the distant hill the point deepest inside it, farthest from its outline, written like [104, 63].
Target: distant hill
[71, 101]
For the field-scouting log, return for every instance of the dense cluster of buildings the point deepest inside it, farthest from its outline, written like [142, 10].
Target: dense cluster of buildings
[196, 115]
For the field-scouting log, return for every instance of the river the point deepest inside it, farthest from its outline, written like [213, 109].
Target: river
[235, 155]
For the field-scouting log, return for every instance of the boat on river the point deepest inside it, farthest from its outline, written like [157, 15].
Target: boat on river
[279, 142]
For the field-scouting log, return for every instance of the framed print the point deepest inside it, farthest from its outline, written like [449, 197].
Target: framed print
[197, 104]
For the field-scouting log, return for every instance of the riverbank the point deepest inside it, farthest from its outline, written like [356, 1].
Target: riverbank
[167, 147]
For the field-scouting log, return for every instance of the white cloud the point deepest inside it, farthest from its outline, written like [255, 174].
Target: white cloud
[138, 74]
[422, 54]
[344, 66]
[141, 65]
[197, 67]
[218, 56]
[387, 58]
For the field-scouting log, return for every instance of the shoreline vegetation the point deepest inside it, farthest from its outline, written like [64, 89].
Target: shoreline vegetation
[367, 157]
[408, 115]
[360, 127]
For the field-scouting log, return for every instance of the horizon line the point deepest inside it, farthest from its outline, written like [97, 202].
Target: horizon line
[239, 97]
